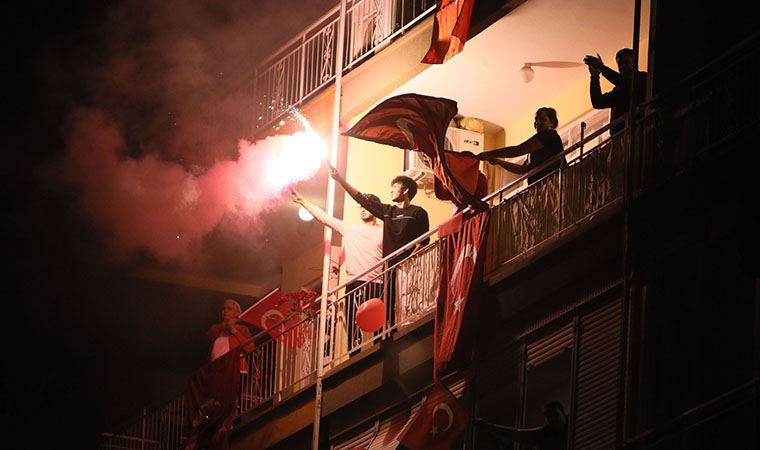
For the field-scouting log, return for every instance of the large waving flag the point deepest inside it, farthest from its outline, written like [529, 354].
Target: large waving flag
[463, 251]
[419, 122]
[452, 24]
[438, 423]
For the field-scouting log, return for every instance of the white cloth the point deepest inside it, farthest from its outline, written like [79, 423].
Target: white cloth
[221, 346]
[363, 246]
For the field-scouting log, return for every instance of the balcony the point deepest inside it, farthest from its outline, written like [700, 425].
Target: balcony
[714, 110]
[305, 65]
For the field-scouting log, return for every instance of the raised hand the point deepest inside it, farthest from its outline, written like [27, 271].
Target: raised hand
[296, 197]
[594, 63]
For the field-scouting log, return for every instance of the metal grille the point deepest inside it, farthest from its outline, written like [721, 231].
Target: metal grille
[306, 64]
[164, 427]
[556, 204]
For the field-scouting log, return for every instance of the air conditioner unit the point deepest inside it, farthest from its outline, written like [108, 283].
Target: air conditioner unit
[457, 139]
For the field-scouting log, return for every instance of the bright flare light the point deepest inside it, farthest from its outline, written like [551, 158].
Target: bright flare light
[297, 158]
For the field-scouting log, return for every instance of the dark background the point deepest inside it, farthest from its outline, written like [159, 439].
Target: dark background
[88, 344]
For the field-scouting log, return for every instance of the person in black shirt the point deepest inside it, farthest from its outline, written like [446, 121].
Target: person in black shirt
[402, 223]
[540, 147]
[619, 98]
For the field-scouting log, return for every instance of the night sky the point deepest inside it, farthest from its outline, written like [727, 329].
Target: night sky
[89, 345]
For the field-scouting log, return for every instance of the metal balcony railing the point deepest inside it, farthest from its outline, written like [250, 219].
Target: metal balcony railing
[306, 64]
[677, 132]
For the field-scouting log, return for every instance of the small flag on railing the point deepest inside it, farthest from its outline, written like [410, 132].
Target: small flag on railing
[463, 248]
[450, 30]
[283, 316]
[438, 423]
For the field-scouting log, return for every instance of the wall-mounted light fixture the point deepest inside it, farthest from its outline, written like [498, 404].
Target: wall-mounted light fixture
[526, 73]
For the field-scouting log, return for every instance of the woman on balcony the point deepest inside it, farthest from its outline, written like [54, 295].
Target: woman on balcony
[540, 147]
[229, 334]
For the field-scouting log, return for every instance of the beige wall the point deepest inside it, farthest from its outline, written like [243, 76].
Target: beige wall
[371, 167]
[569, 104]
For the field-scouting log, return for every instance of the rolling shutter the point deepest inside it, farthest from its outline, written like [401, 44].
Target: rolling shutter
[549, 346]
[598, 377]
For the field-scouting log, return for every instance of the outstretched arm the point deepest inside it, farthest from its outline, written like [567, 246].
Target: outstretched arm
[533, 144]
[316, 211]
[512, 167]
[528, 436]
[342, 181]
[375, 208]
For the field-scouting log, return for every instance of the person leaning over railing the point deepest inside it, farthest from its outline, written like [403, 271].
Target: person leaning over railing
[540, 147]
[363, 246]
[402, 223]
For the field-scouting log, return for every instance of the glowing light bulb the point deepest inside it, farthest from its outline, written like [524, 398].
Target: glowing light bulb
[304, 215]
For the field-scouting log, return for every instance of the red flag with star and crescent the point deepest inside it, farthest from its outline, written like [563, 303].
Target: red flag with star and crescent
[282, 316]
[461, 271]
[438, 423]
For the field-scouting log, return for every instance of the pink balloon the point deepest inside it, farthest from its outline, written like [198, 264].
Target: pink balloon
[370, 316]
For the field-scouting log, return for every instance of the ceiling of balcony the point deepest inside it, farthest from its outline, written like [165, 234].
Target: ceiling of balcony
[483, 79]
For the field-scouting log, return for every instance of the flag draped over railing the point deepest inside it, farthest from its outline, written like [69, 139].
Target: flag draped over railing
[461, 271]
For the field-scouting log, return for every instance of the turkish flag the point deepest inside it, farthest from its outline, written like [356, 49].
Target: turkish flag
[282, 316]
[419, 122]
[438, 423]
[463, 249]
[464, 168]
[212, 394]
[450, 30]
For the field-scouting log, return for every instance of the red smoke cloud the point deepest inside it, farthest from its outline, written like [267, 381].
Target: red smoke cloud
[150, 204]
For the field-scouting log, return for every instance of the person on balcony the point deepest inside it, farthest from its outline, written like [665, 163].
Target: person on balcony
[402, 224]
[540, 147]
[363, 249]
[619, 98]
[551, 436]
[229, 334]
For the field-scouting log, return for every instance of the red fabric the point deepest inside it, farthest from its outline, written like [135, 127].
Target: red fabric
[419, 122]
[438, 423]
[463, 248]
[242, 334]
[211, 397]
[282, 316]
[450, 29]
[464, 168]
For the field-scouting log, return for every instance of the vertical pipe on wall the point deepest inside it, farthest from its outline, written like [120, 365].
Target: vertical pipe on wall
[333, 156]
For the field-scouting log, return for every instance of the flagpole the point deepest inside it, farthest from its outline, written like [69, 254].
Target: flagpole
[327, 239]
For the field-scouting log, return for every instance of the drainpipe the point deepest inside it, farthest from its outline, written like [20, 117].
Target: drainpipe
[629, 285]
[327, 238]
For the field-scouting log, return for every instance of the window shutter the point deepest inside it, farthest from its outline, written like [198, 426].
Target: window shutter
[361, 440]
[549, 346]
[598, 377]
